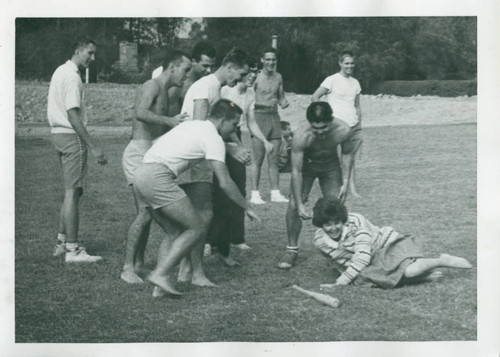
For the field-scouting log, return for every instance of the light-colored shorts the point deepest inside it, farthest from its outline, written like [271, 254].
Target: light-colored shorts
[155, 185]
[354, 141]
[201, 172]
[132, 157]
[72, 153]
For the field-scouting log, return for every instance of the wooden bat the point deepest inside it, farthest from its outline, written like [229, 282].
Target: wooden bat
[322, 298]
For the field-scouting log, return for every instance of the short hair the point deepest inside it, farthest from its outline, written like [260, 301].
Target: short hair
[269, 50]
[284, 124]
[319, 112]
[83, 42]
[173, 57]
[225, 109]
[252, 64]
[202, 48]
[345, 54]
[328, 210]
[236, 57]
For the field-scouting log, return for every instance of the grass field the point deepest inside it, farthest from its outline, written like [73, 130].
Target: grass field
[421, 179]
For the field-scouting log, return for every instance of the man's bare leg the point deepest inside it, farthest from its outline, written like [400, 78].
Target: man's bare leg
[272, 157]
[137, 238]
[259, 153]
[171, 252]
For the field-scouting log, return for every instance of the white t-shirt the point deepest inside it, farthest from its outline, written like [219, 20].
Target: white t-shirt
[187, 144]
[342, 92]
[245, 100]
[65, 93]
[157, 72]
[207, 87]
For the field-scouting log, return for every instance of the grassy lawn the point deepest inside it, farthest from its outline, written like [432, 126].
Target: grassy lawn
[420, 179]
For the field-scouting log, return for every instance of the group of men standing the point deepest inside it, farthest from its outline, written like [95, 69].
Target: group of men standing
[183, 135]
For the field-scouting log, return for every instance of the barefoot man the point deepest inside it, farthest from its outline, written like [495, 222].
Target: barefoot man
[150, 122]
[314, 155]
[187, 144]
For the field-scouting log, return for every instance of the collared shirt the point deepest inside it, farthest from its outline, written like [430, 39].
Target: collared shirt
[359, 240]
[65, 93]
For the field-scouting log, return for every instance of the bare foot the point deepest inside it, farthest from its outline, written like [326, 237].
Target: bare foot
[164, 283]
[228, 261]
[454, 262]
[202, 281]
[158, 292]
[241, 246]
[131, 277]
[354, 193]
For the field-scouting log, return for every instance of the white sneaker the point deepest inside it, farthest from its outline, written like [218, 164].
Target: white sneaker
[278, 197]
[241, 246]
[59, 250]
[81, 256]
[256, 199]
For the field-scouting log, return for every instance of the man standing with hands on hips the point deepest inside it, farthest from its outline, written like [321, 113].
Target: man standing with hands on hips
[67, 119]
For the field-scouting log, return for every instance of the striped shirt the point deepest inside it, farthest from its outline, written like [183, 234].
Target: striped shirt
[359, 240]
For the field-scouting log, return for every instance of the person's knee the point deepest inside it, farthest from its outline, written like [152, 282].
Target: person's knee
[73, 194]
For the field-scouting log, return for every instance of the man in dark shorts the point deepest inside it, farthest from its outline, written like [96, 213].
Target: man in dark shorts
[314, 155]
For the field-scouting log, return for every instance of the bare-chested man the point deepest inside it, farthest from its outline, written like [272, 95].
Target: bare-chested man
[269, 94]
[151, 121]
[314, 155]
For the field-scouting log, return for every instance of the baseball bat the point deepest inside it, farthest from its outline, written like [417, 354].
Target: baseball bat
[322, 298]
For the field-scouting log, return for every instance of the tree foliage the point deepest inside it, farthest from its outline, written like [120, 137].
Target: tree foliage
[387, 48]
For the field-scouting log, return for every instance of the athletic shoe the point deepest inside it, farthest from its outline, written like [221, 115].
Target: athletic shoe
[288, 260]
[278, 197]
[256, 199]
[241, 246]
[59, 250]
[81, 256]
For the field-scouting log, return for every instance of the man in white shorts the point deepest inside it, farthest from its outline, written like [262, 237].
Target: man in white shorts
[150, 122]
[187, 144]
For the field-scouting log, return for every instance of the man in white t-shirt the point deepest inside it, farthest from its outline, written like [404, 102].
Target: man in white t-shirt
[173, 153]
[343, 92]
[67, 119]
[197, 181]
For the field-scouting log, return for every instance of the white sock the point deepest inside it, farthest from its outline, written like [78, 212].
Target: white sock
[255, 193]
[71, 246]
[61, 238]
[275, 192]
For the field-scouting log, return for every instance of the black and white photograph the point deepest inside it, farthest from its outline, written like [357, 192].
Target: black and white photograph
[250, 180]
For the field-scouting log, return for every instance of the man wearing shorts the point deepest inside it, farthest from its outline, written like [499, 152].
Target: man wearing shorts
[197, 181]
[268, 94]
[314, 155]
[67, 119]
[150, 122]
[187, 144]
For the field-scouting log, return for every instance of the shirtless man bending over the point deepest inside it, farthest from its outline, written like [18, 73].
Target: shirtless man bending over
[314, 155]
[150, 122]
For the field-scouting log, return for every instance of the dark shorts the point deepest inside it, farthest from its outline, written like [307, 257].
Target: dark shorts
[269, 124]
[72, 153]
[389, 263]
[328, 174]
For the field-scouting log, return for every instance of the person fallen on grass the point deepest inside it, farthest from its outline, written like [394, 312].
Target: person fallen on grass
[285, 155]
[365, 254]
[151, 120]
[185, 145]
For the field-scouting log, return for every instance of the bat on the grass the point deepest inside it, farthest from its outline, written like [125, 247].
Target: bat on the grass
[322, 298]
